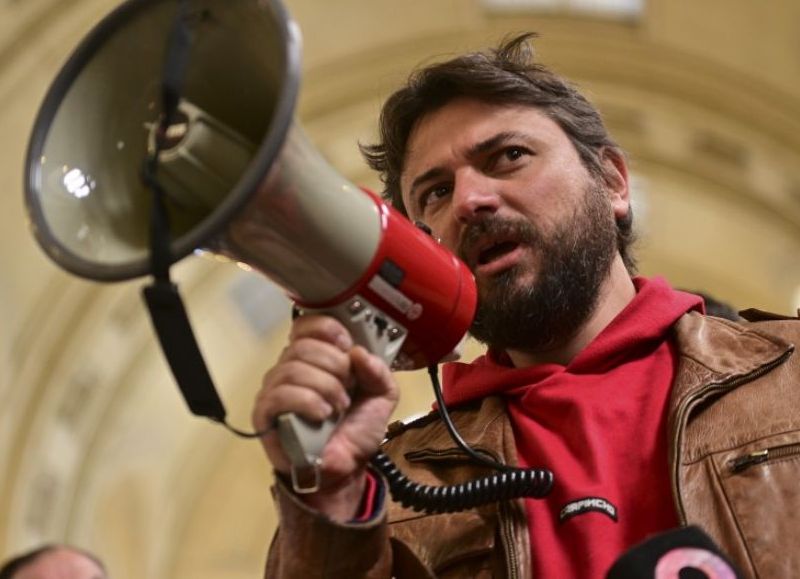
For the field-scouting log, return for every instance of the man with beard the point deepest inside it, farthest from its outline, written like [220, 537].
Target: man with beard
[649, 414]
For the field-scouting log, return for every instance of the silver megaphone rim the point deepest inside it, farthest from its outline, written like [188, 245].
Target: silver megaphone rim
[267, 153]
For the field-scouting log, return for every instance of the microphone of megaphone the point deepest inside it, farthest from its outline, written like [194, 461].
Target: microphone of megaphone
[238, 178]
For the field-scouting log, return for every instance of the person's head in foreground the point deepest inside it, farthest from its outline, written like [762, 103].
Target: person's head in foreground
[54, 562]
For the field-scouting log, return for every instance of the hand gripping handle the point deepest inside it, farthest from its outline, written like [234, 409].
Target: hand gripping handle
[303, 441]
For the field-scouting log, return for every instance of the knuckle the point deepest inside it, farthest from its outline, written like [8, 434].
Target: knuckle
[291, 371]
[315, 324]
[267, 381]
[290, 351]
[304, 348]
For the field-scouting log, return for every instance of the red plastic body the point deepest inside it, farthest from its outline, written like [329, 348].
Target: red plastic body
[434, 301]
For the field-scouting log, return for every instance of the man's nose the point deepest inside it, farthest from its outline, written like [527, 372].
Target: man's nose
[474, 195]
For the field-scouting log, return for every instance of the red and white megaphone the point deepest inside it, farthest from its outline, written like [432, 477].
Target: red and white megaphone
[238, 178]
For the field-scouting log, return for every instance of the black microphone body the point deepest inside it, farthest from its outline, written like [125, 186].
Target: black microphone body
[684, 553]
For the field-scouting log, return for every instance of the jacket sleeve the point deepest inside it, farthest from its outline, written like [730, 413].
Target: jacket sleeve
[308, 545]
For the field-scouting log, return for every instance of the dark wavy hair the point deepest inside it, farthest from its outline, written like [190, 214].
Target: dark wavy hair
[507, 75]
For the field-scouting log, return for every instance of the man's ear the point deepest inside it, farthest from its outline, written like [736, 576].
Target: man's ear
[615, 175]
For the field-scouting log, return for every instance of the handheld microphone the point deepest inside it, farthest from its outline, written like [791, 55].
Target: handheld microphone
[684, 553]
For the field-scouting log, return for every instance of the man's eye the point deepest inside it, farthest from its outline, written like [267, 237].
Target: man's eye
[508, 156]
[513, 153]
[433, 195]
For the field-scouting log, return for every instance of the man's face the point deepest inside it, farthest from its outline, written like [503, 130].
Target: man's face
[505, 189]
[61, 564]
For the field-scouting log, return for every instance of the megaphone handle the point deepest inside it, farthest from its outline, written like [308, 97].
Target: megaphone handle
[304, 441]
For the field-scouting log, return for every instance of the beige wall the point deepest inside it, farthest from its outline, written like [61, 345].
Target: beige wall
[96, 446]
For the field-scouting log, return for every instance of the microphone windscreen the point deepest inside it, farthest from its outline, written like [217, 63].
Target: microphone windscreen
[684, 553]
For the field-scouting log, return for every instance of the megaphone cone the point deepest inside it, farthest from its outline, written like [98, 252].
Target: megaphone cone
[238, 175]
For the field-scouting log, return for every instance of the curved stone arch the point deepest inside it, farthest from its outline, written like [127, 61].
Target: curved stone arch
[608, 59]
[29, 394]
[36, 36]
[74, 395]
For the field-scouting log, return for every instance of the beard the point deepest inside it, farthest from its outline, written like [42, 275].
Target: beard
[575, 260]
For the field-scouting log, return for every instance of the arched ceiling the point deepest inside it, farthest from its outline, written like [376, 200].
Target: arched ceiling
[96, 446]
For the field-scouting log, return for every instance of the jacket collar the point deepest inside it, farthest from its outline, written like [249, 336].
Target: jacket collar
[717, 352]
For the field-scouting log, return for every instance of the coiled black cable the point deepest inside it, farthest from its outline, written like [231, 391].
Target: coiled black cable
[501, 486]
[509, 483]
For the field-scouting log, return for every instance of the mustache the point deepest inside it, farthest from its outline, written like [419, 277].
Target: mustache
[520, 230]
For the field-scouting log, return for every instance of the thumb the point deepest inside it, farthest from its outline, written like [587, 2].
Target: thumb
[372, 374]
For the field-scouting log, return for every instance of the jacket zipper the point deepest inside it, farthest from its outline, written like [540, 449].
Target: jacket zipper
[507, 534]
[683, 413]
[742, 463]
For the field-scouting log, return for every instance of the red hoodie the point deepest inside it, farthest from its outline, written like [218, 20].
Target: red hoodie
[599, 424]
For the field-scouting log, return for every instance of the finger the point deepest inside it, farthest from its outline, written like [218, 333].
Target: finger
[290, 398]
[298, 373]
[321, 355]
[324, 328]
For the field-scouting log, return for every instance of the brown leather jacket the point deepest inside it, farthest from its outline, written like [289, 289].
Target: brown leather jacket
[736, 394]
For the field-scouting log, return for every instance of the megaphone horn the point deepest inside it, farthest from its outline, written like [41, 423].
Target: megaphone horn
[89, 206]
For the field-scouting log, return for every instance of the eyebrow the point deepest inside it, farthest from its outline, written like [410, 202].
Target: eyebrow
[474, 151]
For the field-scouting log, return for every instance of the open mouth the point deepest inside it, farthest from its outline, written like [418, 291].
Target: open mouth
[496, 251]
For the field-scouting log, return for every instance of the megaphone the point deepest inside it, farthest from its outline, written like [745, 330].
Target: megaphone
[238, 177]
